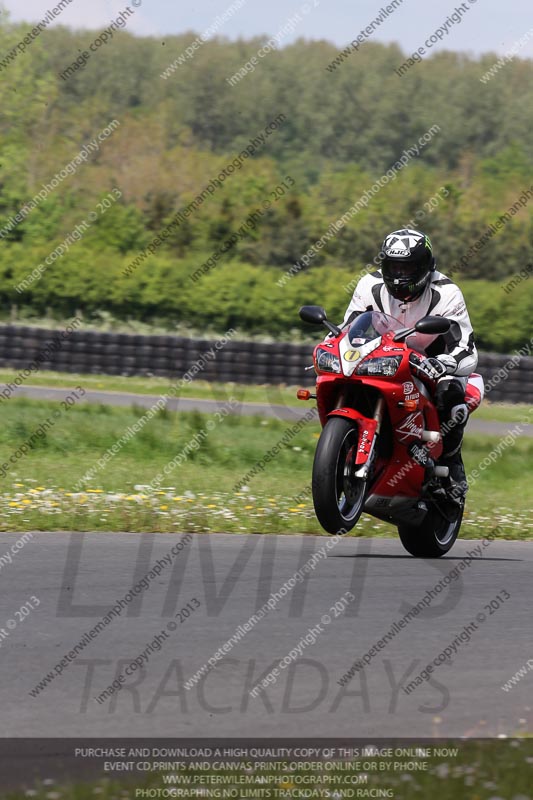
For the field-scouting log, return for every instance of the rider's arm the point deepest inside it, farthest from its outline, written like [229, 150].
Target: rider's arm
[355, 307]
[362, 298]
[460, 338]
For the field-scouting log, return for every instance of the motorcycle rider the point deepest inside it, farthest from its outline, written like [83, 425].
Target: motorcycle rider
[409, 287]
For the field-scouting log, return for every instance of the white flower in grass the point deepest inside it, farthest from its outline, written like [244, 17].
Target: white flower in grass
[442, 771]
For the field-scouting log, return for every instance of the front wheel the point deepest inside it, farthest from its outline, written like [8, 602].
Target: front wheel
[436, 535]
[338, 495]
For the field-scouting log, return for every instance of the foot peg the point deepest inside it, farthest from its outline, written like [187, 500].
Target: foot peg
[420, 454]
[439, 494]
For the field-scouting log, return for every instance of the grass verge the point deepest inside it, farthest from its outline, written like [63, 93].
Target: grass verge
[41, 492]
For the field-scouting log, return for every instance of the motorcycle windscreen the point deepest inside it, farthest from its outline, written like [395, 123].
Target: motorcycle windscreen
[421, 341]
[370, 325]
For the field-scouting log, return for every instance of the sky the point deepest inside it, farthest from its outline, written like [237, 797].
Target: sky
[486, 25]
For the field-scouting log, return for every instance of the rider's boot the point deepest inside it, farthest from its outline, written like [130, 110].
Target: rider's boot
[451, 457]
[457, 476]
[453, 415]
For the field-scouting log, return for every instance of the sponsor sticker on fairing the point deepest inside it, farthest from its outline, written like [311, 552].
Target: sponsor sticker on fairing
[411, 428]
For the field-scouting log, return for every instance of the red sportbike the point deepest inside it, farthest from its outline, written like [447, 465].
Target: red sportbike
[381, 435]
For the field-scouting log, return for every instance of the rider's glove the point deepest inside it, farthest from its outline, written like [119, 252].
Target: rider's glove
[449, 362]
[432, 368]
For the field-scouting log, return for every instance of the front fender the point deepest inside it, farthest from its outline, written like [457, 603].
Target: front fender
[367, 431]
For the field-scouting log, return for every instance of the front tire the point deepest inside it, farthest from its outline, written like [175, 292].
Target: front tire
[435, 536]
[338, 496]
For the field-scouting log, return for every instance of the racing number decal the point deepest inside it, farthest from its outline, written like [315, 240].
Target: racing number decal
[352, 355]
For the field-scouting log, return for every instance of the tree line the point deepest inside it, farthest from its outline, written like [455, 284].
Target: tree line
[149, 222]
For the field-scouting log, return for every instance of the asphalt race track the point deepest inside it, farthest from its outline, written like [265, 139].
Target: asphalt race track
[276, 407]
[77, 578]
[215, 584]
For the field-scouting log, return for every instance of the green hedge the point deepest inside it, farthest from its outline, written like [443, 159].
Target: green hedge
[232, 294]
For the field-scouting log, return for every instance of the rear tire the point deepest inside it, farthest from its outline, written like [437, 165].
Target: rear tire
[337, 495]
[435, 536]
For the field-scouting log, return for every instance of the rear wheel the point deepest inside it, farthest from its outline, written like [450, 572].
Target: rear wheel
[338, 495]
[436, 535]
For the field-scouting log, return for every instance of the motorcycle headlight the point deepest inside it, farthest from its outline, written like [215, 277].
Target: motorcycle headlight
[384, 365]
[326, 361]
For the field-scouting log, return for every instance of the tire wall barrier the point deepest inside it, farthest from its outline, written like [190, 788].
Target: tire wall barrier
[509, 378]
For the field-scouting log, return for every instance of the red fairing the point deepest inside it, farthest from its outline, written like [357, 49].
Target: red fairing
[328, 388]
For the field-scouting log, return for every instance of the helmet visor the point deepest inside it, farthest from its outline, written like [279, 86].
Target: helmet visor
[401, 269]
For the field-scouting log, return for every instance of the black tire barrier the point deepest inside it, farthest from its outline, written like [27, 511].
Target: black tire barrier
[80, 367]
[248, 362]
[18, 353]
